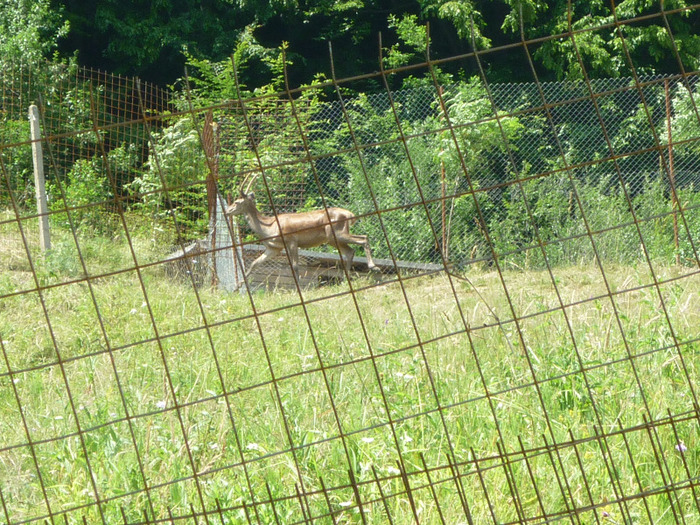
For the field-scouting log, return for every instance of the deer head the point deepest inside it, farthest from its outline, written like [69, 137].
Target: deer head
[245, 201]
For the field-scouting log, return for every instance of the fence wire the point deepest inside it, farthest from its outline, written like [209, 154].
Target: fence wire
[528, 352]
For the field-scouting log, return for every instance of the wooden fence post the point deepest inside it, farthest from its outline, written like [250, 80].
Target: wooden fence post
[39, 181]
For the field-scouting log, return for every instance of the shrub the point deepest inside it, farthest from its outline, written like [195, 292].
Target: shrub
[89, 199]
[87, 194]
[174, 181]
[17, 162]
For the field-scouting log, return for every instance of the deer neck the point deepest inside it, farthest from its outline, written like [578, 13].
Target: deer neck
[262, 225]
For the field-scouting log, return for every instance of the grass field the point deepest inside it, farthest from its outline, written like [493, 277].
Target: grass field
[152, 396]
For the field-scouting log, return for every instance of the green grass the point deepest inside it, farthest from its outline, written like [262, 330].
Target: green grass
[396, 355]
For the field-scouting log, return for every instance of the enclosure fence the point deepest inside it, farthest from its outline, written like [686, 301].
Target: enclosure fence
[529, 351]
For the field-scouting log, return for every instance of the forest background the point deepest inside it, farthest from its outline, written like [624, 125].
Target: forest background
[154, 40]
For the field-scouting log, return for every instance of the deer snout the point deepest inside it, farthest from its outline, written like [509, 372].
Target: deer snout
[234, 209]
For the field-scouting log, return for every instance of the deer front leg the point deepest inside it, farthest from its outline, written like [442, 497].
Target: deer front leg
[269, 252]
[293, 251]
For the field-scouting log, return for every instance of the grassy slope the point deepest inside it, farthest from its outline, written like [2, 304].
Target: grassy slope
[113, 364]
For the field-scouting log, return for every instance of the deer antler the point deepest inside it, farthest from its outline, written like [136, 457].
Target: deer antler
[250, 183]
[240, 187]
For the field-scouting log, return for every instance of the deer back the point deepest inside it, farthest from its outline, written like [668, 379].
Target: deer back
[313, 228]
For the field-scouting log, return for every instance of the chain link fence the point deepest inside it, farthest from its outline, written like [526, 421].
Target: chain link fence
[537, 361]
[524, 149]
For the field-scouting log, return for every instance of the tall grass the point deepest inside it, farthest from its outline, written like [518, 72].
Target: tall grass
[421, 370]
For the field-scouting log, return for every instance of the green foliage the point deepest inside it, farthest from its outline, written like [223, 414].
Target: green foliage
[87, 194]
[412, 35]
[155, 40]
[463, 15]
[474, 156]
[16, 162]
[29, 30]
[529, 10]
[173, 183]
[603, 52]
[84, 197]
[400, 178]
[685, 122]
[210, 81]
[689, 225]
[556, 215]
[477, 133]
[148, 39]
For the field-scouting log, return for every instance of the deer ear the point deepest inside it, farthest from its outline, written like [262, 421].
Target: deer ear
[251, 195]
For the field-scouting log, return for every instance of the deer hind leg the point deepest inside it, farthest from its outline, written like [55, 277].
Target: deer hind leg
[368, 251]
[347, 254]
[362, 240]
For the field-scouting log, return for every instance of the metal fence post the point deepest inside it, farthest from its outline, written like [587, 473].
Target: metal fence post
[671, 172]
[39, 181]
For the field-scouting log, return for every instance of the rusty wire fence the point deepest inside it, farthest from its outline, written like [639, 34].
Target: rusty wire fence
[537, 363]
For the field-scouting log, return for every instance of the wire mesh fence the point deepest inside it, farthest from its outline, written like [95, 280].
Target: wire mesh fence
[525, 149]
[529, 353]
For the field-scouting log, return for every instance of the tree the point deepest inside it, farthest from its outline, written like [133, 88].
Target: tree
[495, 22]
[29, 30]
[150, 39]
[603, 51]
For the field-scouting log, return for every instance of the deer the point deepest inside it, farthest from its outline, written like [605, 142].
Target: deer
[299, 230]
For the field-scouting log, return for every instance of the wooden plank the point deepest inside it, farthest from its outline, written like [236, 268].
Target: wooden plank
[359, 263]
[316, 267]
[279, 281]
[307, 271]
